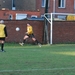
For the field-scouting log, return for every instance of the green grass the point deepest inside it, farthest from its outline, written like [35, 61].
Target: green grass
[56, 59]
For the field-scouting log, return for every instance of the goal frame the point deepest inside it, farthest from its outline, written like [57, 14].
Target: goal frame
[50, 20]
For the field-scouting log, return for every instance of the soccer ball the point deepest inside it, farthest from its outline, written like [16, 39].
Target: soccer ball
[17, 28]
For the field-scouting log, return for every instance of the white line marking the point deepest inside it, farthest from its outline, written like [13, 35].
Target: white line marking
[38, 69]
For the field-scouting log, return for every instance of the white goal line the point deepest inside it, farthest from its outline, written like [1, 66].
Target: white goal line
[68, 68]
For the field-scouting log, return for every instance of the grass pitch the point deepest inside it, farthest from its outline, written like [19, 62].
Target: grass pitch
[56, 59]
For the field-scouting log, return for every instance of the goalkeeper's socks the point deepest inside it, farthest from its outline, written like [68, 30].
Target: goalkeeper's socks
[2, 45]
[36, 41]
[24, 40]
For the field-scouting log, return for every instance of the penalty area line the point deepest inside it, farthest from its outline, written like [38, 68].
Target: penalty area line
[69, 68]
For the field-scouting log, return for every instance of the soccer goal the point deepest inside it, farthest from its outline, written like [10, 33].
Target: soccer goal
[50, 17]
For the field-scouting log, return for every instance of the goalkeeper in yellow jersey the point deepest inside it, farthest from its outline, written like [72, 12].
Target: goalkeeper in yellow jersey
[29, 34]
[3, 35]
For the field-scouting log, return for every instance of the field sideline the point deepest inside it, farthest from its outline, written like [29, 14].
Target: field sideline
[58, 59]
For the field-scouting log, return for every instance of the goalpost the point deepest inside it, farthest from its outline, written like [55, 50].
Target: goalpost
[50, 17]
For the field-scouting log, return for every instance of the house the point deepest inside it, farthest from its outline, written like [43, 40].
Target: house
[55, 6]
[18, 4]
[17, 14]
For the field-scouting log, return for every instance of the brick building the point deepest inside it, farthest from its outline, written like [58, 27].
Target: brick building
[64, 6]
[18, 4]
[66, 34]
[67, 6]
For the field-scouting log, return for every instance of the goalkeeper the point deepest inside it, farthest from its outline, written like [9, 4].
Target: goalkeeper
[3, 35]
[29, 34]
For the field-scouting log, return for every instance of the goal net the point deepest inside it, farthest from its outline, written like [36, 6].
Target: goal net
[50, 17]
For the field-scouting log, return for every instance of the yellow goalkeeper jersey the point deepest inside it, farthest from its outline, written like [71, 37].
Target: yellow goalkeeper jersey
[29, 30]
[2, 33]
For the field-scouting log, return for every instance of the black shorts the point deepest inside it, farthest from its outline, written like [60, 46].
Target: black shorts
[2, 38]
[31, 35]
